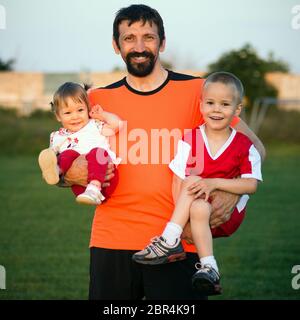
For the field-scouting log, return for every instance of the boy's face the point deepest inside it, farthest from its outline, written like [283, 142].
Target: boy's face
[73, 115]
[139, 46]
[219, 105]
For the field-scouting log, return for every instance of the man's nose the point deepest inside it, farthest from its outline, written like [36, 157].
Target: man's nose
[139, 45]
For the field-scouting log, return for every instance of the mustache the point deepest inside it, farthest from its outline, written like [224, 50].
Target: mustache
[144, 54]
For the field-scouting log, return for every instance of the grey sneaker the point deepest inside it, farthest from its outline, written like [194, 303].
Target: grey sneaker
[48, 164]
[91, 195]
[206, 280]
[159, 252]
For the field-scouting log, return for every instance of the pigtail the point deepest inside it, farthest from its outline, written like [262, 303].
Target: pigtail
[87, 87]
[52, 106]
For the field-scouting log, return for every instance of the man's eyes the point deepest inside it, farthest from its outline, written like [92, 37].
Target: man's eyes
[149, 37]
[130, 38]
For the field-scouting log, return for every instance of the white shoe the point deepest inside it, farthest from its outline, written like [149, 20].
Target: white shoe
[91, 195]
[48, 164]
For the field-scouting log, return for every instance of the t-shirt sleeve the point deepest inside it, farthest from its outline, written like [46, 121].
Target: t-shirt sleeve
[179, 163]
[251, 164]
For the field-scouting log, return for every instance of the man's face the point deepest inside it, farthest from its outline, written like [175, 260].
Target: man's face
[139, 46]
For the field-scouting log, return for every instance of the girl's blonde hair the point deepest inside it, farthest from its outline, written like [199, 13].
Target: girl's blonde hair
[69, 90]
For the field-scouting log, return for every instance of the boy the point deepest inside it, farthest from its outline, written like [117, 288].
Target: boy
[225, 160]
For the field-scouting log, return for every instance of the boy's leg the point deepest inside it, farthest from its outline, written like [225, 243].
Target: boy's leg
[199, 217]
[207, 278]
[168, 247]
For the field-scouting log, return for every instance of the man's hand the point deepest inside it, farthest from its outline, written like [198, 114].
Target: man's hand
[222, 204]
[78, 173]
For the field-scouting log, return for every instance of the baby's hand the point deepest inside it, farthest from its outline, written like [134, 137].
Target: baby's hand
[96, 112]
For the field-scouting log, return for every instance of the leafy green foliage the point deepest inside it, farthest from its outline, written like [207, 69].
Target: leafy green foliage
[7, 65]
[251, 69]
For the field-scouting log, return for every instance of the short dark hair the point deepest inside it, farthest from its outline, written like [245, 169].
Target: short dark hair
[227, 78]
[135, 13]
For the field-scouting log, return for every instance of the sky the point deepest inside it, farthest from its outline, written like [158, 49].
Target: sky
[75, 35]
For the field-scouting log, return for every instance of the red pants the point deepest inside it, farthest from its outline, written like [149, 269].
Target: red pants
[229, 227]
[97, 160]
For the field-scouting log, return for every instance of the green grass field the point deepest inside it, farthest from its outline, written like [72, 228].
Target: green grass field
[44, 235]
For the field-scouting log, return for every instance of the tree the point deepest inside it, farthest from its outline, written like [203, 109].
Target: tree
[251, 70]
[7, 65]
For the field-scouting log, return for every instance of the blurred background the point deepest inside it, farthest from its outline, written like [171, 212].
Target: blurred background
[44, 235]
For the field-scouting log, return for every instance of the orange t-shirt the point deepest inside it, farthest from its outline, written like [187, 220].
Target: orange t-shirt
[142, 203]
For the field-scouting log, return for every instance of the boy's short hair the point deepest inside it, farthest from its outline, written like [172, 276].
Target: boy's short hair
[227, 78]
[135, 13]
[69, 90]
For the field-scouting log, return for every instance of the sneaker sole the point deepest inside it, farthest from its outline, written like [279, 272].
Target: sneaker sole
[163, 260]
[204, 286]
[86, 200]
[48, 164]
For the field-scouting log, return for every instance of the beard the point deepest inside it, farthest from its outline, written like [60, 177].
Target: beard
[141, 69]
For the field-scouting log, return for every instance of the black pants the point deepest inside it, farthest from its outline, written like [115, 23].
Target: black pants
[114, 275]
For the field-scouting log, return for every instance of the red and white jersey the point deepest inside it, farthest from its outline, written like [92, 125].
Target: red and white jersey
[237, 157]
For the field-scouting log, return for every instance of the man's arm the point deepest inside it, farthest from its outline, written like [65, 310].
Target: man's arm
[243, 128]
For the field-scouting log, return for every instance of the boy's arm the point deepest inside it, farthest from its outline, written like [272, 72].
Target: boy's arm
[112, 123]
[236, 186]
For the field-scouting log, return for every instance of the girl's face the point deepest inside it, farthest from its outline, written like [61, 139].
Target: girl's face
[219, 105]
[73, 115]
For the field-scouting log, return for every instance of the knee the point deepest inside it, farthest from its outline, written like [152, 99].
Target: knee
[200, 209]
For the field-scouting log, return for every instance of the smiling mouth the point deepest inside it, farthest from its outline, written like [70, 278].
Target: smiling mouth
[139, 59]
[216, 118]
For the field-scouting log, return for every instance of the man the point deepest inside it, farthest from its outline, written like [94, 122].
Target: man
[151, 99]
